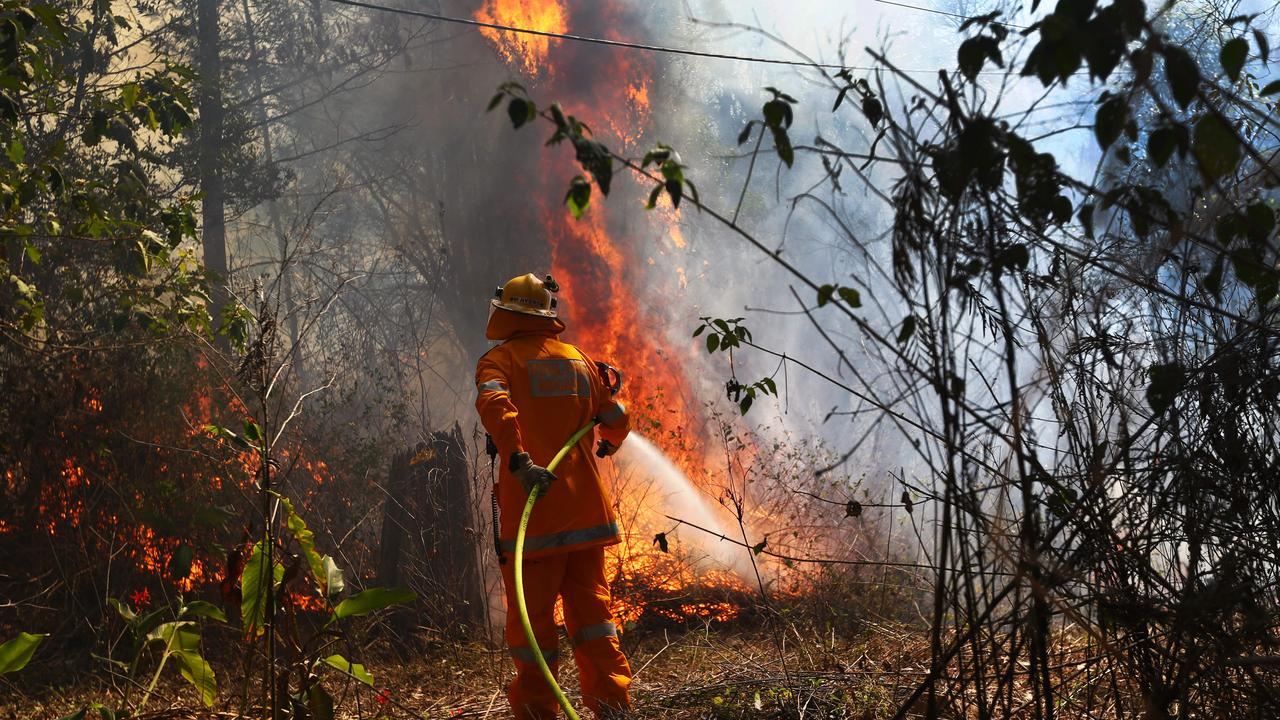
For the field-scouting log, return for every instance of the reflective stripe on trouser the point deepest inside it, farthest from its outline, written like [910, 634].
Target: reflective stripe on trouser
[591, 632]
[579, 578]
[525, 655]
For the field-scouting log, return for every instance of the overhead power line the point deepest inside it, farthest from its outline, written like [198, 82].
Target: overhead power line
[944, 13]
[587, 39]
[620, 43]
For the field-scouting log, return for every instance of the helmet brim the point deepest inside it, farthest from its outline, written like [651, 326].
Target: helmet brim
[521, 309]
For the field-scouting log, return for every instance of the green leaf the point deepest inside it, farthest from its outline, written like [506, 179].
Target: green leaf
[782, 143]
[908, 329]
[149, 622]
[1215, 147]
[202, 608]
[1167, 380]
[197, 671]
[493, 102]
[713, 342]
[777, 114]
[129, 95]
[779, 95]
[214, 517]
[320, 702]
[1251, 269]
[521, 111]
[873, 109]
[658, 155]
[1261, 221]
[56, 182]
[760, 546]
[1160, 145]
[974, 52]
[124, 611]
[1233, 55]
[578, 196]
[1213, 281]
[1110, 120]
[1183, 74]
[825, 294]
[839, 99]
[1062, 501]
[698, 332]
[334, 581]
[252, 432]
[595, 159]
[49, 17]
[17, 152]
[307, 542]
[180, 562]
[653, 196]
[373, 599]
[1086, 219]
[355, 670]
[1011, 256]
[177, 636]
[8, 106]
[16, 653]
[254, 593]
[675, 190]
[850, 296]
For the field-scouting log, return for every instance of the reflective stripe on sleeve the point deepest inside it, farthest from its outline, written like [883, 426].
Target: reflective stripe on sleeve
[612, 413]
[525, 655]
[491, 386]
[564, 539]
[591, 632]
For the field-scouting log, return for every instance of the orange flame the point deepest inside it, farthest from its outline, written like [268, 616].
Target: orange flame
[529, 52]
[604, 286]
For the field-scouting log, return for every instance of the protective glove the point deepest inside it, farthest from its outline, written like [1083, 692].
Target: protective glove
[531, 476]
[605, 448]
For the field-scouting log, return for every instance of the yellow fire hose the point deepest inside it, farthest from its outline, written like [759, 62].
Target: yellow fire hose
[519, 573]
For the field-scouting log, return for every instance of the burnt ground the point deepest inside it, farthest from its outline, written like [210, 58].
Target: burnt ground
[706, 671]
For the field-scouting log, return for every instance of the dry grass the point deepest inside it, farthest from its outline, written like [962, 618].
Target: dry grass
[705, 671]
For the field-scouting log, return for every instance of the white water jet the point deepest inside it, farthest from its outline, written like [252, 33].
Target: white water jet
[649, 478]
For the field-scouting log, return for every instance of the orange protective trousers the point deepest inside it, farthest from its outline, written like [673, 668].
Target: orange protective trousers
[579, 578]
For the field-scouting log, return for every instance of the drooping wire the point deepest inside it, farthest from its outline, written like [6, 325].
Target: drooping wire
[944, 13]
[622, 43]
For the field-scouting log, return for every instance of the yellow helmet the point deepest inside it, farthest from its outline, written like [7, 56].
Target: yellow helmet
[527, 294]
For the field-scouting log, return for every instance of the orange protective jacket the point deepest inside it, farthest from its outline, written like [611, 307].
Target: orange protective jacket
[535, 392]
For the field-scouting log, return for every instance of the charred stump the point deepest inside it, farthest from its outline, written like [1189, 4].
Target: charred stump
[429, 536]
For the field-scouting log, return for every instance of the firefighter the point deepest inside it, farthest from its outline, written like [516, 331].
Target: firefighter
[534, 393]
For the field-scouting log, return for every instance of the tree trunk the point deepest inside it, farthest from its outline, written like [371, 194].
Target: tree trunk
[431, 537]
[209, 64]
